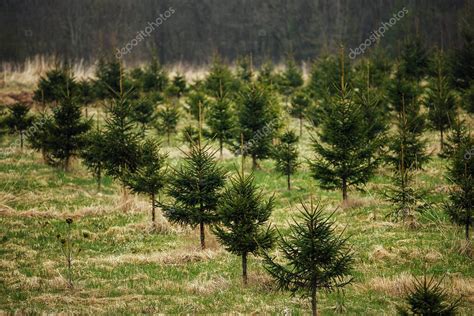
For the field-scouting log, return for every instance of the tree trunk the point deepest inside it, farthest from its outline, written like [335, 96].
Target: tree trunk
[288, 181]
[221, 147]
[314, 305]
[344, 190]
[441, 140]
[244, 268]
[301, 126]
[203, 237]
[254, 162]
[153, 209]
[66, 164]
[168, 136]
[468, 224]
[99, 178]
[21, 141]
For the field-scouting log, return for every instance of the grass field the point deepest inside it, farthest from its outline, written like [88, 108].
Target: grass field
[124, 267]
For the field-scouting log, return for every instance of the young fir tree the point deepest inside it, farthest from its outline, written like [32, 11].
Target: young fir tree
[402, 93]
[462, 64]
[178, 86]
[461, 174]
[66, 132]
[167, 120]
[143, 112]
[197, 100]
[441, 102]
[468, 99]
[346, 150]
[122, 138]
[155, 78]
[195, 189]
[149, 175]
[326, 76]
[220, 79]
[428, 298]
[18, 120]
[291, 80]
[244, 69]
[93, 153]
[55, 85]
[39, 135]
[258, 122]
[221, 121]
[266, 75]
[190, 135]
[457, 137]
[414, 59]
[300, 103]
[316, 257]
[286, 155]
[243, 214]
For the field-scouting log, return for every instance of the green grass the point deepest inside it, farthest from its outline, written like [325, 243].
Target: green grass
[123, 267]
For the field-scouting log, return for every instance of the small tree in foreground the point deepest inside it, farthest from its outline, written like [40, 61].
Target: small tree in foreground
[243, 220]
[69, 250]
[93, 154]
[149, 177]
[286, 155]
[316, 257]
[168, 117]
[195, 188]
[428, 298]
[18, 120]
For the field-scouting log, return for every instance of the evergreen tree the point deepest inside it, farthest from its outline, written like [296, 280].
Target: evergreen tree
[428, 298]
[468, 99]
[243, 220]
[220, 80]
[402, 93]
[197, 99]
[266, 75]
[85, 92]
[286, 155]
[461, 174]
[414, 59]
[410, 127]
[143, 112]
[456, 138]
[441, 103]
[300, 103]
[195, 189]
[155, 78]
[111, 80]
[244, 69]
[178, 86]
[66, 132]
[316, 258]
[345, 148]
[326, 75]
[292, 79]
[168, 116]
[148, 177]
[93, 153]
[121, 137]
[463, 58]
[55, 85]
[39, 135]
[258, 120]
[18, 120]
[190, 135]
[221, 122]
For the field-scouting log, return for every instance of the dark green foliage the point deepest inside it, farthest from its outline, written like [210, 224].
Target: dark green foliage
[461, 175]
[457, 137]
[154, 77]
[85, 92]
[317, 258]
[122, 138]
[55, 85]
[195, 189]
[220, 80]
[66, 131]
[149, 175]
[244, 69]
[441, 102]
[414, 59]
[178, 86]
[402, 92]
[291, 79]
[463, 58]
[468, 99]
[111, 80]
[143, 112]
[258, 121]
[286, 155]
[18, 120]
[346, 148]
[38, 136]
[93, 153]
[266, 75]
[197, 100]
[243, 220]
[190, 135]
[300, 103]
[410, 128]
[167, 120]
[428, 298]
[221, 122]
[326, 75]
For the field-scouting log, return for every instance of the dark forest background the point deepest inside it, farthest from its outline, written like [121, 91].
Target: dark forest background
[267, 29]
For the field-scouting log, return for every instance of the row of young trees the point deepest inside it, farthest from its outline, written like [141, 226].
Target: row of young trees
[347, 111]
